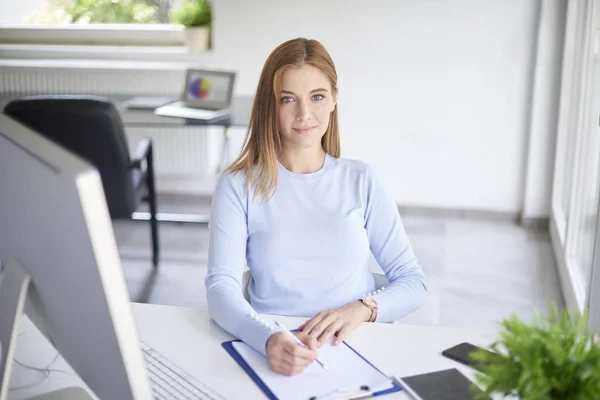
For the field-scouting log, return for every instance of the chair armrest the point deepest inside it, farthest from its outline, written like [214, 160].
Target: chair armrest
[143, 149]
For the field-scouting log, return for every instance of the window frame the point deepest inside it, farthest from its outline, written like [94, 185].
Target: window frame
[121, 42]
[94, 34]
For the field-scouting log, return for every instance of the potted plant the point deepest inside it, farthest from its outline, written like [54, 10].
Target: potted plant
[196, 16]
[553, 358]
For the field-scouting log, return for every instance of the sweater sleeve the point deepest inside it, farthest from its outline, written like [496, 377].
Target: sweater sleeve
[391, 248]
[226, 260]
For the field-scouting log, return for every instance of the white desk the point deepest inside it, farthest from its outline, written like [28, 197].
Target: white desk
[190, 339]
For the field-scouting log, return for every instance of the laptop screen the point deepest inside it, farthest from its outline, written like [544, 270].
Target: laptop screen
[208, 89]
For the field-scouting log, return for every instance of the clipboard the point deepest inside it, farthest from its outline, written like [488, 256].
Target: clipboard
[229, 347]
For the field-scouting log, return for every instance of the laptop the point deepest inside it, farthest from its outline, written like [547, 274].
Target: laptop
[206, 95]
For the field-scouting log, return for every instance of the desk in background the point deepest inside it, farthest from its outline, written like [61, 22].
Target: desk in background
[239, 116]
[191, 340]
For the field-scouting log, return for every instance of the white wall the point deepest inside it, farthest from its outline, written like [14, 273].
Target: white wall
[433, 94]
[436, 95]
[544, 110]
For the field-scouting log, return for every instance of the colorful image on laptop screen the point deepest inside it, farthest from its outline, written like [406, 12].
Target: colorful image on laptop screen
[208, 87]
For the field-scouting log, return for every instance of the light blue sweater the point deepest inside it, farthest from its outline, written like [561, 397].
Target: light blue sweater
[307, 248]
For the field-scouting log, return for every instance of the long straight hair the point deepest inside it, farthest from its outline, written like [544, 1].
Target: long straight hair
[263, 148]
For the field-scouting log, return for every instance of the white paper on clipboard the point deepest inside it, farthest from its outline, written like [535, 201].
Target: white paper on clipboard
[348, 372]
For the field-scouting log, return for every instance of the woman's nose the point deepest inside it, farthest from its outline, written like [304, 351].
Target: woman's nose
[303, 111]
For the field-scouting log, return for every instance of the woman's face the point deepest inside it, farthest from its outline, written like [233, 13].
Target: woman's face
[306, 102]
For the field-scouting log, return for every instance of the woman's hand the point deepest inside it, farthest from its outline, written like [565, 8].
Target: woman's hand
[341, 320]
[286, 356]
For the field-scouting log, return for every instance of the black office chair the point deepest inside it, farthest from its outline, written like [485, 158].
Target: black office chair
[91, 127]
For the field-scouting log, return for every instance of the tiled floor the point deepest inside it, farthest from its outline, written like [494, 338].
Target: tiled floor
[478, 272]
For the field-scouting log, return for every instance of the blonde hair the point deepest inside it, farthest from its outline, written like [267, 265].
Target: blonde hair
[259, 157]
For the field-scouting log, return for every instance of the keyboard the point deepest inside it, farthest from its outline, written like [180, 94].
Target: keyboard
[171, 382]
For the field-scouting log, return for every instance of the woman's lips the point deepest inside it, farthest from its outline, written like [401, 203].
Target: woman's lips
[304, 130]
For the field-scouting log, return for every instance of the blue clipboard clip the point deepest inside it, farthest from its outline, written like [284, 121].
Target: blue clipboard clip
[228, 346]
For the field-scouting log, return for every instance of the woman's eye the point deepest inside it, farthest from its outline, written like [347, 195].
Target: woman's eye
[318, 97]
[286, 99]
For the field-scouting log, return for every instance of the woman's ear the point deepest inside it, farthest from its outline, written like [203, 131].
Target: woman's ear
[335, 98]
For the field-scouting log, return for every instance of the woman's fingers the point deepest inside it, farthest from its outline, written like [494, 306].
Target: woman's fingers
[280, 365]
[310, 324]
[319, 328]
[286, 369]
[295, 352]
[343, 333]
[335, 326]
[286, 356]
[309, 341]
[313, 325]
[293, 361]
[288, 364]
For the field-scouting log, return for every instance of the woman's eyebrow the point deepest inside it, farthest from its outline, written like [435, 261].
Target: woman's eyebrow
[312, 91]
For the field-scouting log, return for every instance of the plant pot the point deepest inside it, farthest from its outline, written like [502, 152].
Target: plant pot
[197, 39]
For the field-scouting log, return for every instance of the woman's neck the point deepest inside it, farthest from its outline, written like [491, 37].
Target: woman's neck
[305, 161]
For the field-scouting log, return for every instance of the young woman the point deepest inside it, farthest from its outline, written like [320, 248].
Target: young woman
[304, 220]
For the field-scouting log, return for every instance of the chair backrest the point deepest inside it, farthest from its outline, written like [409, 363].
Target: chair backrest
[89, 126]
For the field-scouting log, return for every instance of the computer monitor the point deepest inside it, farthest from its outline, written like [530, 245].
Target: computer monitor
[208, 89]
[54, 223]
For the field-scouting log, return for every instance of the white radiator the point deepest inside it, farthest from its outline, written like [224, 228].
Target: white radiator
[177, 150]
[91, 78]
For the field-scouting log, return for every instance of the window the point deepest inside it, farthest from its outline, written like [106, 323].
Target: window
[102, 22]
[104, 11]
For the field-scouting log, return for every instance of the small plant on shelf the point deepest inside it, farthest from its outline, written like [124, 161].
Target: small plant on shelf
[196, 16]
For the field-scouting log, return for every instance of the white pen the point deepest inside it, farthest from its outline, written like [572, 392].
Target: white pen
[325, 367]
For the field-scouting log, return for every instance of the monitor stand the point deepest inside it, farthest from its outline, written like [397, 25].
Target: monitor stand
[13, 293]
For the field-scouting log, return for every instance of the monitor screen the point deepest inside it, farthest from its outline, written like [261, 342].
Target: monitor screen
[55, 223]
[210, 88]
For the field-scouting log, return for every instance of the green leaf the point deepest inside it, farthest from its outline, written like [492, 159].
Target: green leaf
[552, 358]
[193, 13]
[98, 12]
